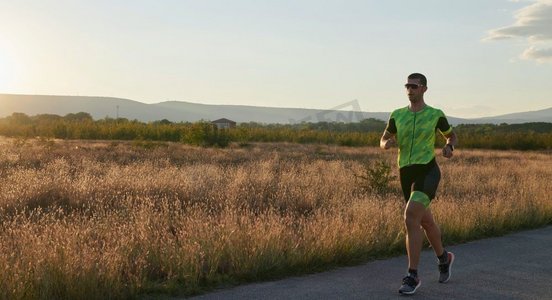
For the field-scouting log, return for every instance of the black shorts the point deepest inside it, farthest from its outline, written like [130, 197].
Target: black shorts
[423, 178]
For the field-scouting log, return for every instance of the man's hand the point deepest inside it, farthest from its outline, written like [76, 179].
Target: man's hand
[447, 151]
[389, 143]
[387, 140]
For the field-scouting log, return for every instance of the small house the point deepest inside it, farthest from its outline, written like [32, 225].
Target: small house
[224, 123]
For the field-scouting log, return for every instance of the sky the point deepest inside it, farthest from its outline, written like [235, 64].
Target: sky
[481, 57]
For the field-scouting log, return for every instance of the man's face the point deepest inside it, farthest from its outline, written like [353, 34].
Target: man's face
[415, 90]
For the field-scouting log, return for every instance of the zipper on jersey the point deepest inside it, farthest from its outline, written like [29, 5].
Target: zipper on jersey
[412, 141]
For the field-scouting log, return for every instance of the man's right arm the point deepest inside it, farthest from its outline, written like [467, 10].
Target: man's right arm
[387, 140]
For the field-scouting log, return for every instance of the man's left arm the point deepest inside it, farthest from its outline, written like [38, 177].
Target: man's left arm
[445, 128]
[452, 141]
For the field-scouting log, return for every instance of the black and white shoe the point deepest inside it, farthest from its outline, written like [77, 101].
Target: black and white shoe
[445, 268]
[409, 285]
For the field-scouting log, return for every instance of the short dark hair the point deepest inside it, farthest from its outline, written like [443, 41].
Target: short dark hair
[421, 77]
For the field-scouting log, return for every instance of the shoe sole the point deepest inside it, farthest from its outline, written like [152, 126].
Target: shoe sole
[450, 268]
[414, 291]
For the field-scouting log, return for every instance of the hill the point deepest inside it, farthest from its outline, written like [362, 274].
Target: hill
[543, 115]
[177, 111]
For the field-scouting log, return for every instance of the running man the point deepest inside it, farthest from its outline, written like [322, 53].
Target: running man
[413, 129]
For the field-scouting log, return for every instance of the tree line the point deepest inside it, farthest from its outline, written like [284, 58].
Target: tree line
[528, 136]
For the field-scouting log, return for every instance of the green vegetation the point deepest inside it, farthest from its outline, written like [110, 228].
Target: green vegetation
[527, 136]
[376, 177]
[81, 126]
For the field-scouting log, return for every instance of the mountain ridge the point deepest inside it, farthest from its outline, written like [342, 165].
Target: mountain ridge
[177, 111]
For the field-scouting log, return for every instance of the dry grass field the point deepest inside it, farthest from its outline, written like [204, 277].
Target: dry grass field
[114, 220]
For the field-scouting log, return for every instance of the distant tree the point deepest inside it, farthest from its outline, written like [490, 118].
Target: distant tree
[19, 119]
[163, 122]
[78, 117]
[47, 118]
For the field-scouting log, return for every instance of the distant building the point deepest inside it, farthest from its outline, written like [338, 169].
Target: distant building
[224, 123]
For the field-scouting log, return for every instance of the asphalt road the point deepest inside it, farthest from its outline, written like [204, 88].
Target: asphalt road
[516, 266]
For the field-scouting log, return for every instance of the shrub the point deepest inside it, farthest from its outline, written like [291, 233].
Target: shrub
[376, 177]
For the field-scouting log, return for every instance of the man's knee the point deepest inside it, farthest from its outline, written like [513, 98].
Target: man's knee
[428, 224]
[413, 215]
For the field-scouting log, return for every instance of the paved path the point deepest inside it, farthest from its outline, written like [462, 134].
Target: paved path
[517, 266]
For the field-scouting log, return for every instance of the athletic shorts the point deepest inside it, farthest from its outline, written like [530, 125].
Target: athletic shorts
[420, 178]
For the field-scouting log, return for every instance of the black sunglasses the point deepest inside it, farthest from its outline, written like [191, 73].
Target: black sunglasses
[412, 86]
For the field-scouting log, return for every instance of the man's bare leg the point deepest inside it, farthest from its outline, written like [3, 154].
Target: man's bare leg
[413, 215]
[432, 232]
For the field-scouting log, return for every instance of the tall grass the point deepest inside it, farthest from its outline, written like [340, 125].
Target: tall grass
[113, 220]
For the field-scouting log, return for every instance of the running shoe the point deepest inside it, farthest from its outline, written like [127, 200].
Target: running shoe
[409, 285]
[445, 268]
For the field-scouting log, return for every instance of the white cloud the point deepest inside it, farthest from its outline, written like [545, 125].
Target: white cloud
[539, 55]
[533, 22]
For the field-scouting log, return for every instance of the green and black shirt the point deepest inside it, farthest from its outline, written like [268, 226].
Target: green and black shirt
[415, 133]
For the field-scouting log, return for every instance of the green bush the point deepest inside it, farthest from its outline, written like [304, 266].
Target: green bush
[376, 177]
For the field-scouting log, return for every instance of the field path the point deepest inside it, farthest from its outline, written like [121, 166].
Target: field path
[516, 266]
